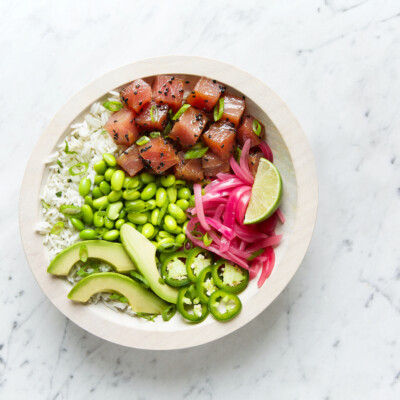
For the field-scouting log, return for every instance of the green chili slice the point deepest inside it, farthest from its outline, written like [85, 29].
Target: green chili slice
[219, 109]
[180, 112]
[79, 169]
[190, 306]
[256, 127]
[195, 153]
[169, 312]
[205, 285]
[173, 269]
[197, 260]
[231, 305]
[229, 277]
[143, 140]
[113, 105]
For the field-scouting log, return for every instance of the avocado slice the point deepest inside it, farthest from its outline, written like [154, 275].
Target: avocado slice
[143, 254]
[111, 253]
[139, 298]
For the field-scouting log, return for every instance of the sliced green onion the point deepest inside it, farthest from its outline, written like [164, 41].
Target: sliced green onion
[113, 105]
[256, 127]
[123, 299]
[83, 253]
[82, 272]
[154, 117]
[57, 228]
[66, 149]
[45, 205]
[149, 317]
[238, 153]
[167, 128]
[219, 109]
[140, 279]
[79, 169]
[255, 254]
[195, 153]
[143, 140]
[70, 209]
[207, 240]
[155, 134]
[59, 194]
[115, 296]
[180, 112]
[197, 234]
[59, 163]
[169, 312]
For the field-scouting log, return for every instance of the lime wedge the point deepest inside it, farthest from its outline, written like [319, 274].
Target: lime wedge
[266, 193]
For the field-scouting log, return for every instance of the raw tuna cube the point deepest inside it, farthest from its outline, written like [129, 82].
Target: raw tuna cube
[159, 113]
[233, 109]
[188, 128]
[159, 154]
[168, 90]
[189, 170]
[130, 161]
[254, 160]
[214, 171]
[220, 138]
[205, 94]
[122, 128]
[136, 95]
[211, 160]
[245, 131]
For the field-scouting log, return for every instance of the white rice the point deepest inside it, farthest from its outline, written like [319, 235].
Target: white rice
[89, 140]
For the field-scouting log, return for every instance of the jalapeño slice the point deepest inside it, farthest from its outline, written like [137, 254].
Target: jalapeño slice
[205, 285]
[173, 269]
[196, 261]
[190, 306]
[224, 306]
[229, 277]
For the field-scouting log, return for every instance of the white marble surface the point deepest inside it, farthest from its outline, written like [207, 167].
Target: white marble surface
[334, 332]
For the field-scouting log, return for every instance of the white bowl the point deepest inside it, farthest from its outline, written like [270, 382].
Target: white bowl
[292, 156]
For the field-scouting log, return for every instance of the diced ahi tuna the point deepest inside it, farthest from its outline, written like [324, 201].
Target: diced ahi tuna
[130, 161]
[189, 170]
[233, 109]
[188, 128]
[220, 138]
[254, 160]
[159, 114]
[168, 90]
[122, 128]
[205, 94]
[209, 172]
[211, 160]
[159, 154]
[136, 95]
[245, 131]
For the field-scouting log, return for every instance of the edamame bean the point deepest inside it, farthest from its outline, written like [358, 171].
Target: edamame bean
[101, 202]
[111, 235]
[154, 233]
[101, 231]
[132, 182]
[108, 223]
[175, 231]
[135, 205]
[180, 238]
[176, 212]
[88, 200]
[122, 214]
[165, 243]
[161, 197]
[117, 180]
[146, 178]
[108, 174]
[131, 224]
[130, 194]
[139, 228]
[119, 223]
[84, 186]
[87, 214]
[150, 205]
[113, 210]
[162, 212]
[154, 216]
[96, 192]
[170, 223]
[114, 196]
[167, 180]
[105, 187]
[191, 201]
[164, 234]
[98, 220]
[184, 193]
[172, 194]
[88, 234]
[149, 191]
[98, 179]
[183, 204]
[184, 226]
[77, 224]
[137, 218]
[109, 159]
[148, 230]
[100, 167]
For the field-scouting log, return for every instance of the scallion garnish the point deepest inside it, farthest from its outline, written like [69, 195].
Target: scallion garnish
[219, 109]
[256, 127]
[113, 105]
[197, 234]
[255, 254]
[153, 114]
[59, 194]
[149, 317]
[180, 112]
[207, 240]
[82, 273]
[238, 153]
[143, 140]
[79, 169]
[66, 149]
[57, 228]
[45, 205]
[155, 134]
[70, 209]
[59, 163]
[195, 153]
[167, 129]
[169, 312]
[83, 253]
[140, 279]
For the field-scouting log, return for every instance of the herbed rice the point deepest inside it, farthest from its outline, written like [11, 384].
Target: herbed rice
[89, 140]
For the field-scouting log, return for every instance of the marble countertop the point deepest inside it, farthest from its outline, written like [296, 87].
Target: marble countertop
[334, 332]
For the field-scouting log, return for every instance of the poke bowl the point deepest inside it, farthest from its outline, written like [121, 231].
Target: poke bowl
[173, 183]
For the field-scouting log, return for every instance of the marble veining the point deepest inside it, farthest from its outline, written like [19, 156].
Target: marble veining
[334, 332]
